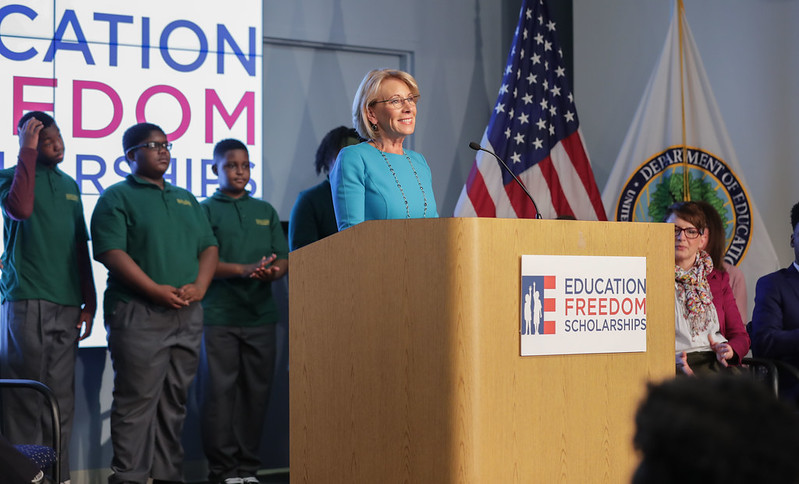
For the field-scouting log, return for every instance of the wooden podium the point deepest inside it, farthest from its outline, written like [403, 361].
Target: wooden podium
[404, 356]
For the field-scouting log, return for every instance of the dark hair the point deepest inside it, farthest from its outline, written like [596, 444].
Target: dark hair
[221, 148]
[717, 429]
[45, 118]
[688, 211]
[137, 133]
[716, 238]
[794, 216]
[331, 144]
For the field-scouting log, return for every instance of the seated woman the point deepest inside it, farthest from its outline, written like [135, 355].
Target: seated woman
[705, 340]
[723, 273]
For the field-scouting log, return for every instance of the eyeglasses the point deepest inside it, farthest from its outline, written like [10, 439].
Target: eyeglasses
[153, 145]
[398, 102]
[690, 232]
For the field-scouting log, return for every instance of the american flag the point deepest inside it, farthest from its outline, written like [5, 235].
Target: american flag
[534, 128]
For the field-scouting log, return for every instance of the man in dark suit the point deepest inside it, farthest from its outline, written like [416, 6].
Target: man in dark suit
[775, 320]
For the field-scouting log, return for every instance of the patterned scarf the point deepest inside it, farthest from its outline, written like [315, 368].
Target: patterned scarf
[693, 291]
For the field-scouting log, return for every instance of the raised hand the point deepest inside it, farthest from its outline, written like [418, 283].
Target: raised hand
[29, 133]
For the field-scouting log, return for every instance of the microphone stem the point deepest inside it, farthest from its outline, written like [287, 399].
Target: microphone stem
[507, 168]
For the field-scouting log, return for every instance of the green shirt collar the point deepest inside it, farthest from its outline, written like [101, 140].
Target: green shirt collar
[141, 181]
[44, 168]
[223, 197]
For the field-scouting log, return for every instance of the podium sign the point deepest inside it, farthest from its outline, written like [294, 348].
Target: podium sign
[582, 304]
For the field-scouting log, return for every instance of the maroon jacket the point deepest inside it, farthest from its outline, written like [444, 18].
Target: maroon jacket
[730, 322]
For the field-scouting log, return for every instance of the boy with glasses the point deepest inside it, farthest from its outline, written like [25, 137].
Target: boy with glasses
[161, 255]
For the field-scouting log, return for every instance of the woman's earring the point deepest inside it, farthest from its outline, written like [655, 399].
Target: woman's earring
[374, 127]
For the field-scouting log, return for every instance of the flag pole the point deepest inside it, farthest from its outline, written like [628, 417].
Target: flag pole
[685, 177]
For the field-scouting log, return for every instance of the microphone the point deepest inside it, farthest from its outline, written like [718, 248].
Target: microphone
[477, 147]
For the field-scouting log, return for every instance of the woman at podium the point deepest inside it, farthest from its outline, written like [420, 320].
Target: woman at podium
[707, 340]
[380, 179]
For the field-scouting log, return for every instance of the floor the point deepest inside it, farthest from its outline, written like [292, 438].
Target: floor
[274, 478]
[271, 478]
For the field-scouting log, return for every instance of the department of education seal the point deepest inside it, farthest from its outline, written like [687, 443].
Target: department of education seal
[658, 182]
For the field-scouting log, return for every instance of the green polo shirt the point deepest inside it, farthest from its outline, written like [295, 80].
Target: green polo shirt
[40, 259]
[247, 229]
[163, 231]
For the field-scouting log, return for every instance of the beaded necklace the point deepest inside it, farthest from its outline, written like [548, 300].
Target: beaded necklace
[396, 180]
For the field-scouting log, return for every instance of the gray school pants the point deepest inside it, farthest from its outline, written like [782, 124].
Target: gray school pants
[39, 341]
[234, 381]
[154, 351]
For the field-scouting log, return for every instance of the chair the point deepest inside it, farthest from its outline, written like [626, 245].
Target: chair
[765, 370]
[42, 455]
[771, 370]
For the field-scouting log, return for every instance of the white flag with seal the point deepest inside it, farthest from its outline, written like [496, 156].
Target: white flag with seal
[678, 130]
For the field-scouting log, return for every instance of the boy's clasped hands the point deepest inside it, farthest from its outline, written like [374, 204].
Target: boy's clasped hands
[173, 297]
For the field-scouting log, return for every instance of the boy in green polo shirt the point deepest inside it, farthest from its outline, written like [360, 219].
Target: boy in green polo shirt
[161, 255]
[239, 346]
[47, 287]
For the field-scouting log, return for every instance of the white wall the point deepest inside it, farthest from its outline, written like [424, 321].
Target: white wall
[750, 52]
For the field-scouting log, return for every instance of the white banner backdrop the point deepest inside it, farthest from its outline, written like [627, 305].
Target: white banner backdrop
[98, 67]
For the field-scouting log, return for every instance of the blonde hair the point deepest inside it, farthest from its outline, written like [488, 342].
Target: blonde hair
[367, 95]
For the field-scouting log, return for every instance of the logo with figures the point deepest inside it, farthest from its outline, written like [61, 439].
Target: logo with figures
[536, 305]
[659, 182]
[581, 304]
